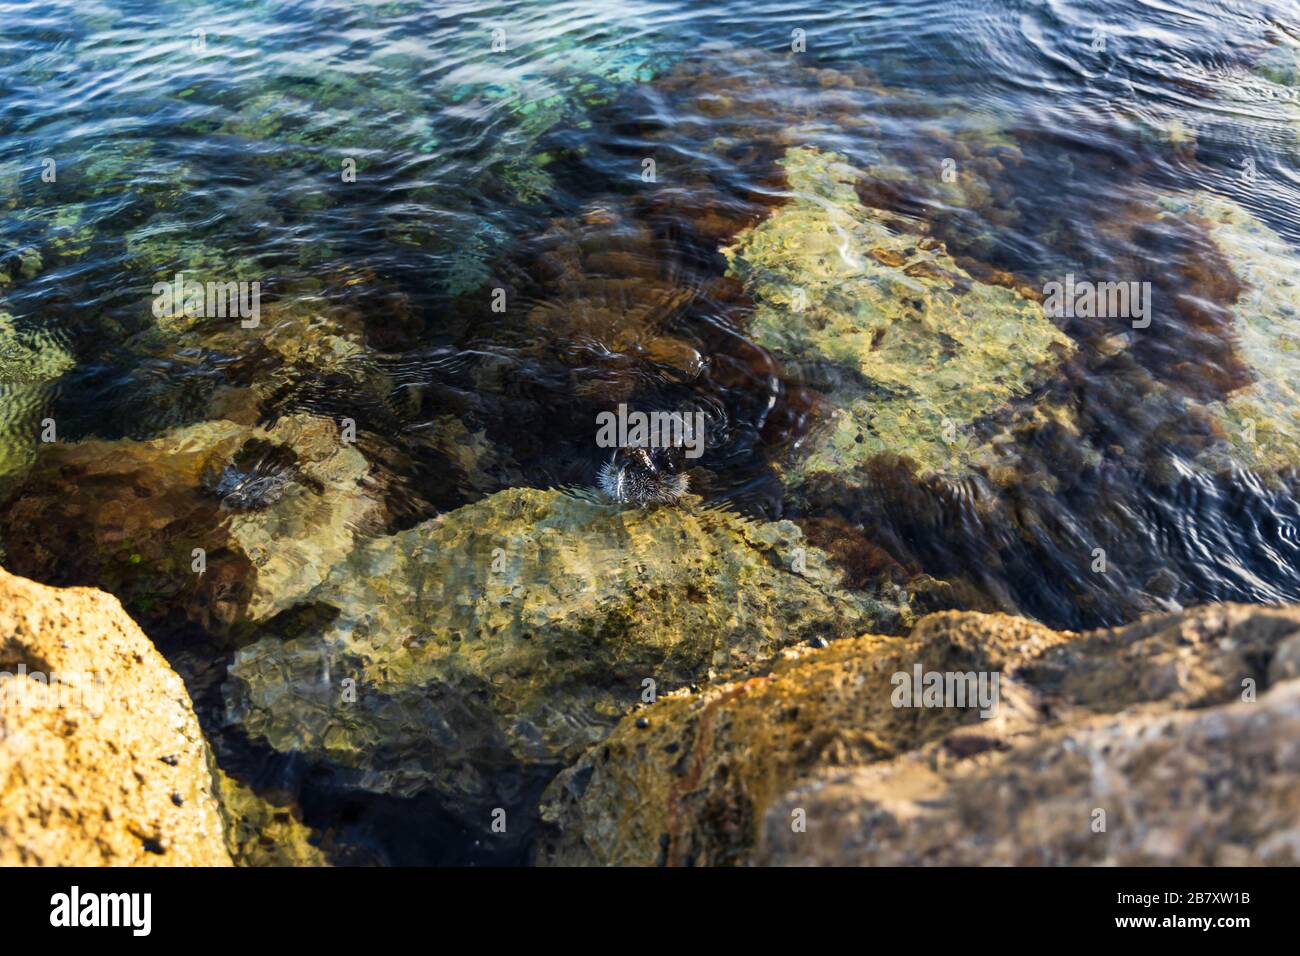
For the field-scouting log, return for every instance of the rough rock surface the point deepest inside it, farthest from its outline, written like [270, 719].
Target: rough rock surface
[698, 777]
[271, 510]
[495, 642]
[107, 765]
[1215, 787]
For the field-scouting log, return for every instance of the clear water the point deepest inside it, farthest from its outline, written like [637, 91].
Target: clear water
[522, 169]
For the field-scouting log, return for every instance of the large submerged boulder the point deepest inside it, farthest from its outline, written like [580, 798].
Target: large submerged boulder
[101, 758]
[475, 654]
[911, 349]
[783, 761]
[1260, 422]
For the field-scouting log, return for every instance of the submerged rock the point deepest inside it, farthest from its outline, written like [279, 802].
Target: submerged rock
[474, 654]
[269, 511]
[101, 758]
[29, 362]
[1261, 421]
[261, 833]
[910, 347]
[704, 777]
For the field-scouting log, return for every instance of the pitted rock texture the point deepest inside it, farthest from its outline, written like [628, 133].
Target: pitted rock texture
[105, 765]
[699, 778]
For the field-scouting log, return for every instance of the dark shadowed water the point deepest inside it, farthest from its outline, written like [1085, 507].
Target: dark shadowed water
[1150, 464]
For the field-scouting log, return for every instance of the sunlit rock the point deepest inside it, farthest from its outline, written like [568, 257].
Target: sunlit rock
[101, 758]
[473, 654]
[1214, 787]
[703, 778]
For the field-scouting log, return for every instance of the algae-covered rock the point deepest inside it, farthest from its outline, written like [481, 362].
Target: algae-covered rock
[29, 362]
[473, 654]
[1260, 422]
[698, 777]
[101, 758]
[219, 522]
[914, 350]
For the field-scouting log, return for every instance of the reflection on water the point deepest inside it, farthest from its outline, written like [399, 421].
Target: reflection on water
[478, 226]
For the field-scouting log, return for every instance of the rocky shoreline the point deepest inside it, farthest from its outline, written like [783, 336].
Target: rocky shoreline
[1170, 740]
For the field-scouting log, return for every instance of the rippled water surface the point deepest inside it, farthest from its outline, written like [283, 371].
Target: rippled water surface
[502, 267]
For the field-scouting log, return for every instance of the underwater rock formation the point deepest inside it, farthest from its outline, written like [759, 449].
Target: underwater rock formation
[911, 348]
[1261, 421]
[704, 777]
[270, 508]
[474, 654]
[1280, 64]
[101, 758]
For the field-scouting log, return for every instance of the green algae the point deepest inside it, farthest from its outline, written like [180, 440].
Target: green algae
[924, 349]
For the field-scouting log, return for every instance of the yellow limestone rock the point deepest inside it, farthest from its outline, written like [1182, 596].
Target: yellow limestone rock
[101, 758]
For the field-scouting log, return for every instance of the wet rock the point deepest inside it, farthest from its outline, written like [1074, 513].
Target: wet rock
[270, 509]
[474, 654]
[97, 740]
[715, 773]
[910, 347]
[261, 833]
